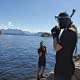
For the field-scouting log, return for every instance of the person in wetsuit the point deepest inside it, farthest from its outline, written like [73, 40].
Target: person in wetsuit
[64, 44]
[42, 51]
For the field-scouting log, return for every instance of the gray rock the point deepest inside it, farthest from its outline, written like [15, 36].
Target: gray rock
[50, 76]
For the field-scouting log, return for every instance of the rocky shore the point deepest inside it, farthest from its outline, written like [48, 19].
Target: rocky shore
[76, 75]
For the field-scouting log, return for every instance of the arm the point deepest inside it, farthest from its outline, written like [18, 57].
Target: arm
[55, 33]
[56, 45]
[46, 52]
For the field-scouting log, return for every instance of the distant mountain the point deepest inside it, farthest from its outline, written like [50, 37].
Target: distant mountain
[13, 32]
[29, 33]
[19, 32]
[38, 34]
[46, 34]
[33, 34]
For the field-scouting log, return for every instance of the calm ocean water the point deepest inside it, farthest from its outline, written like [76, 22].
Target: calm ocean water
[19, 57]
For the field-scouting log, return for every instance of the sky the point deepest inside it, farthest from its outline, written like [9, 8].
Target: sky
[36, 15]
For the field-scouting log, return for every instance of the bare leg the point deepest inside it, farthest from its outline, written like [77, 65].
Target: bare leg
[38, 73]
[42, 72]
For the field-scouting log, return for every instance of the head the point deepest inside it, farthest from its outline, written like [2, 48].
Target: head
[42, 44]
[63, 20]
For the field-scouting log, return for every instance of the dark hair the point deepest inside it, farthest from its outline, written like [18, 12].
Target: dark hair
[63, 14]
[41, 42]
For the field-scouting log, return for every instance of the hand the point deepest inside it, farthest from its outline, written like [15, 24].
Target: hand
[55, 31]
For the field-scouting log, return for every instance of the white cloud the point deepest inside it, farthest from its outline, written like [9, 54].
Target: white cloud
[10, 24]
[2, 26]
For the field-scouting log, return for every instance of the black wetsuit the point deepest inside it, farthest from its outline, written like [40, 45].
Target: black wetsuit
[64, 67]
[42, 58]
